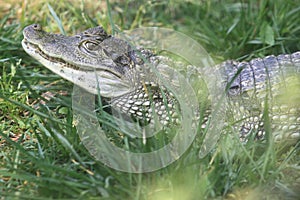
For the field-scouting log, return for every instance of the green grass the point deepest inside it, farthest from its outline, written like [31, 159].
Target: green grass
[41, 156]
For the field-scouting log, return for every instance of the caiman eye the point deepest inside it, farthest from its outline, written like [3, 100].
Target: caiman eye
[90, 47]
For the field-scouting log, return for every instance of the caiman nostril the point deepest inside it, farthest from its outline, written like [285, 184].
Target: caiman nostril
[37, 27]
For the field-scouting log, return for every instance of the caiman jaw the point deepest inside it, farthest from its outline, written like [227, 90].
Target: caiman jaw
[39, 54]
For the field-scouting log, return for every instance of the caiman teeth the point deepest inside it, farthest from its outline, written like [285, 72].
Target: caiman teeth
[40, 52]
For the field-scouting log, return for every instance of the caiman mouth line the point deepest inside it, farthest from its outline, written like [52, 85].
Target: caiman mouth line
[60, 61]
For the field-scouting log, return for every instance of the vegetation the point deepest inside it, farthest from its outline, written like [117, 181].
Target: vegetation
[41, 155]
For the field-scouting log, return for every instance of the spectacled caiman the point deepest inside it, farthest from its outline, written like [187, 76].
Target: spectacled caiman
[124, 78]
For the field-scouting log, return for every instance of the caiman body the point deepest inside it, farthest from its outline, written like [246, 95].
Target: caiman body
[105, 65]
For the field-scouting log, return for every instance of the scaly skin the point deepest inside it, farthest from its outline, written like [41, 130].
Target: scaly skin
[132, 87]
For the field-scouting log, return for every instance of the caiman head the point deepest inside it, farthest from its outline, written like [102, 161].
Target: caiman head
[82, 57]
[101, 64]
